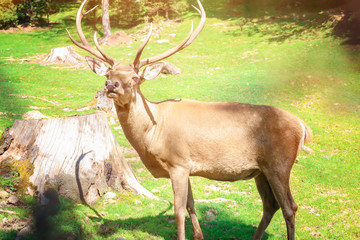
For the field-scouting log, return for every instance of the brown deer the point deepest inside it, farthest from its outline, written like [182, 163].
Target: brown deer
[222, 141]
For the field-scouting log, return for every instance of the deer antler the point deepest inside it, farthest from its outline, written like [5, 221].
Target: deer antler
[141, 48]
[186, 42]
[85, 44]
[137, 64]
[200, 26]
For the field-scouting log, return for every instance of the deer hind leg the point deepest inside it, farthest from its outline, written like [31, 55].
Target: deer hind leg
[198, 235]
[179, 180]
[270, 205]
[279, 183]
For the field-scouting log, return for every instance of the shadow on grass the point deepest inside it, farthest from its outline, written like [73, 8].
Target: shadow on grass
[281, 20]
[160, 226]
[65, 220]
[164, 226]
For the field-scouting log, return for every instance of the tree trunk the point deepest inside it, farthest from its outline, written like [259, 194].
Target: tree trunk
[77, 156]
[106, 20]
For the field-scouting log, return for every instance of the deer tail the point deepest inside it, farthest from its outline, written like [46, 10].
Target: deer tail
[307, 136]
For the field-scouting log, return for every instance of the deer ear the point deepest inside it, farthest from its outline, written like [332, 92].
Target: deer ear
[97, 66]
[152, 71]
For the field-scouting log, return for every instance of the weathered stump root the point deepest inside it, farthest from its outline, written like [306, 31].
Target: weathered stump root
[78, 156]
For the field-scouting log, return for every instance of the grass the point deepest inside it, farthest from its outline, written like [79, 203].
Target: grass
[261, 58]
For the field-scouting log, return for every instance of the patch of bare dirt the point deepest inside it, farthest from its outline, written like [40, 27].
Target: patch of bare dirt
[14, 223]
[119, 38]
[20, 28]
[11, 222]
[211, 214]
[34, 97]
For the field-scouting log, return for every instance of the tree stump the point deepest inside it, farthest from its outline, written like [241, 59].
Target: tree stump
[77, 156]
[105, 104]
[63, 55]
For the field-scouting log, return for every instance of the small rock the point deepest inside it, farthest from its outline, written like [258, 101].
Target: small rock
[13, 200]
[34, 115]
[4, 194]
[23, 232]
[110, 195]
[162, 41]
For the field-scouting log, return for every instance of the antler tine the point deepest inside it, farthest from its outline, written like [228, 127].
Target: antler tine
[139, 52]
[110, 60]
[168, 53]
[86, 48]
[186, 42]
[85, 44]
[200, 26]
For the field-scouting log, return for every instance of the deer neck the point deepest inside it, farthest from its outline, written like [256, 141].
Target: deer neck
[137, 120]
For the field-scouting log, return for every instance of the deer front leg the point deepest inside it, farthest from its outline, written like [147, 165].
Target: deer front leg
[198, 235]
[179, 180]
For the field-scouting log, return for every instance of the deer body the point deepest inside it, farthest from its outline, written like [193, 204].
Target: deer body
[179, 138]
[220, 141]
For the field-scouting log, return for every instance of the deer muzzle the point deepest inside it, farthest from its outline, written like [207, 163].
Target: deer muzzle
[113, 88]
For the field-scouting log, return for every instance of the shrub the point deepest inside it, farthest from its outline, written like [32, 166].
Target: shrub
[8, 15]
[168, 9]
[123, 13]
[126, 13]
[33, 11]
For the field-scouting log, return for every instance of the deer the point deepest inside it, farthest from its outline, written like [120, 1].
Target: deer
[180, 138]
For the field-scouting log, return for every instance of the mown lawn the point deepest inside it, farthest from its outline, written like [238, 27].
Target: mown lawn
[262, 58]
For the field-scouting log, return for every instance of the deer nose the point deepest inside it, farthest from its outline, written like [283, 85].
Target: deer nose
[111, 86]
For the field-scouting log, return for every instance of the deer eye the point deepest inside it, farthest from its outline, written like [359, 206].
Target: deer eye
[135, 78]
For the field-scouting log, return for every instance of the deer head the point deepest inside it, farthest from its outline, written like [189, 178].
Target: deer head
[122, 79]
